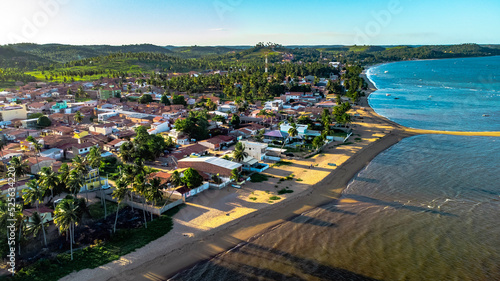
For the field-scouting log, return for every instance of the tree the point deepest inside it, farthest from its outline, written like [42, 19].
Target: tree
[235, 121]
[179, 100]
[49, 180]
[119, 193]
[66, 216]
[318, 142]
[235, 175]
[154, 193]
[36, 225]
[78, 117]
[145, 99]
[219, 118]
[165, 100]
[43, 122]
[192, 178]
[94, 160]
[239, 153]
[37, 146]
[35, 194]
[20, 167]
[75, 181]
[176, 179]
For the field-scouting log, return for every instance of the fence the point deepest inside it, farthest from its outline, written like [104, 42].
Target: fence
[148, 208]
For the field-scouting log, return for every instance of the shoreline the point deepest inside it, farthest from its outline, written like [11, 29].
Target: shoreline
[172, 253]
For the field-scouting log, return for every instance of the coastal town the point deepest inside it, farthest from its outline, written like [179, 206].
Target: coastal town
[126, 151]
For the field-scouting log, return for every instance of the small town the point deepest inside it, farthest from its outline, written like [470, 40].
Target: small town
[97, 157]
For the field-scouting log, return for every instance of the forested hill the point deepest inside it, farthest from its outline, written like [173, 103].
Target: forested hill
[145, 57]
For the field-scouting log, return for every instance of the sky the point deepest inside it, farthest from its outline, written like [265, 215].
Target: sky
[245, 22]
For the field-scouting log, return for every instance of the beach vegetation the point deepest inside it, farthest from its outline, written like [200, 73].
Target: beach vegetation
[274, 198]
[258, 177]
[284, 191]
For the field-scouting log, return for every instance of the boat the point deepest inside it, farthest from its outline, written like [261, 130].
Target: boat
[486, 115]
[388, 95]
[386, 71]
[332, 164]
[396, 98]
[236, 186]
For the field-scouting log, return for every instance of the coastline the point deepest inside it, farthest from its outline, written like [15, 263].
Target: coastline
[174, 251]
[214, 228]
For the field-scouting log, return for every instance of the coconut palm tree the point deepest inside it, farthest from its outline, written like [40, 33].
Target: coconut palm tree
[37, 146]
[239, 153]
[35, 194]
[66, 216]
[48, 180]
[75, 182]
[20, 168]
[2, 145]
[120, 193]
[139, 187]
[94, 160]
[20, 224]
[78, 117]
[235, 175]
[154, 193]
[36, 225]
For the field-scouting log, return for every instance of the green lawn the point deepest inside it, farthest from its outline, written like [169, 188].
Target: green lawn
[122, 243]
[258, 178]
[97, 210]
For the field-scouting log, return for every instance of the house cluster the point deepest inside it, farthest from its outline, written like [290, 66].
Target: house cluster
[110, 112]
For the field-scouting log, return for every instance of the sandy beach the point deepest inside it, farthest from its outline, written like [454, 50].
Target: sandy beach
[217, 220]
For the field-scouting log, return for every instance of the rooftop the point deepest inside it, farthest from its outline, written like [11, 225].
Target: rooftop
[214, 161]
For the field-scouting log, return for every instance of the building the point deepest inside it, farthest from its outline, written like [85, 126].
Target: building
[109, 92]
[218, 142]
[36, 167]
[114, 145]
[81, 148]
[54, 153]
[210, 165]
[105, 129]
[11, 112]
[256, 150]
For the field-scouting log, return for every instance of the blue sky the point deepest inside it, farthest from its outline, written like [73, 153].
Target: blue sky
[244, 22]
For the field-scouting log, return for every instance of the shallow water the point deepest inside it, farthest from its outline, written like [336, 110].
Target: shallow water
[451, 94]
[425, 209]
[430, 215]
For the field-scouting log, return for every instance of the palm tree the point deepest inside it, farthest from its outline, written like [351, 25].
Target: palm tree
[37, 146]
[78, 117]
[19, 217]
[75, 182]
[139, 187]
[49, 180]
[154, 193]
[35, 194]
[66, 216]
[292, 132]
[120, 193]
[2, 145]
[20, 167]
[235, 175]
[35, 225]
[239, 153]
[94, 160]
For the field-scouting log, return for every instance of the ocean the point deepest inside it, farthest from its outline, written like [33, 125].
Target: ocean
[424, 209]
[450, 94]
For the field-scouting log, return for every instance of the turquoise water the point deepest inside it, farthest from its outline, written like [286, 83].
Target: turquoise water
[451, 94]
[424, 209]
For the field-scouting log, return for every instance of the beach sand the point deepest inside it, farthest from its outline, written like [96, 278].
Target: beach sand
[217, 220]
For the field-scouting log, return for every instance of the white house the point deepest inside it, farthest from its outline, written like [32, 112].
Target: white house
[159, 127]
[55, 153]
[228, 108]
[256, 150]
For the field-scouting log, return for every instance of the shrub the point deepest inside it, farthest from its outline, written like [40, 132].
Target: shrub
[274, 198]
[258, 178]
[284, 191]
